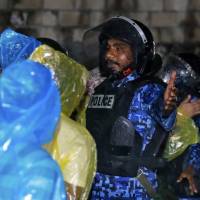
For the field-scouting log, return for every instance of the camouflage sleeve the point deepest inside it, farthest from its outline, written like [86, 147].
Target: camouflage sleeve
[193, 157]
[146, 111]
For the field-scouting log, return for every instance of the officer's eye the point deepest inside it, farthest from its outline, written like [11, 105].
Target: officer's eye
[118, 49]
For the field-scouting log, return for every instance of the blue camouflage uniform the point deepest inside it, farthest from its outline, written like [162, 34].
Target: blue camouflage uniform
[145, 112]
[193, 158]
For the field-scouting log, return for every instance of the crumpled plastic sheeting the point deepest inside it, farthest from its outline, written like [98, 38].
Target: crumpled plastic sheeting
[184, 134]
[70, 76]
[75, 151]
[29, 112]
[15, 47]
[73, 147]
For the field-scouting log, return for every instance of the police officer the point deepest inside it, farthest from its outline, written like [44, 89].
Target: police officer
[129, 115]
[186, 157]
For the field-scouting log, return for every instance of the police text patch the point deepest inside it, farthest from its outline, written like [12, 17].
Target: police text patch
[101, 101]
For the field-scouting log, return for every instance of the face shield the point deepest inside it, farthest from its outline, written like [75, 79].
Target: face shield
[187, 79]
[121, 28]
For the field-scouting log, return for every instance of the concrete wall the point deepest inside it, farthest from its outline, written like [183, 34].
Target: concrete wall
[173, 22]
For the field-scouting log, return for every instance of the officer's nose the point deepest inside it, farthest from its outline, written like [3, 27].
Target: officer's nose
[110, 53]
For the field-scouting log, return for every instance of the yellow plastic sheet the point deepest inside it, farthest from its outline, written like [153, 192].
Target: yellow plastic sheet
[72, 147]
[70, 76]
[184, 134]
[75, 151]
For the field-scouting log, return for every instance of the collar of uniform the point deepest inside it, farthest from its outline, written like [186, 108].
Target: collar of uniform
[130, 77]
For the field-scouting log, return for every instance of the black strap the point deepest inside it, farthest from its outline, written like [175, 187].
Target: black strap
[157, 142]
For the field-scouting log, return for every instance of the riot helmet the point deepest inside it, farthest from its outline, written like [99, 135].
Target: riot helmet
[133, 32]
[187, 67]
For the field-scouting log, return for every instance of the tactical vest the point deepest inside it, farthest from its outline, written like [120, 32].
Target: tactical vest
[118, 146]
